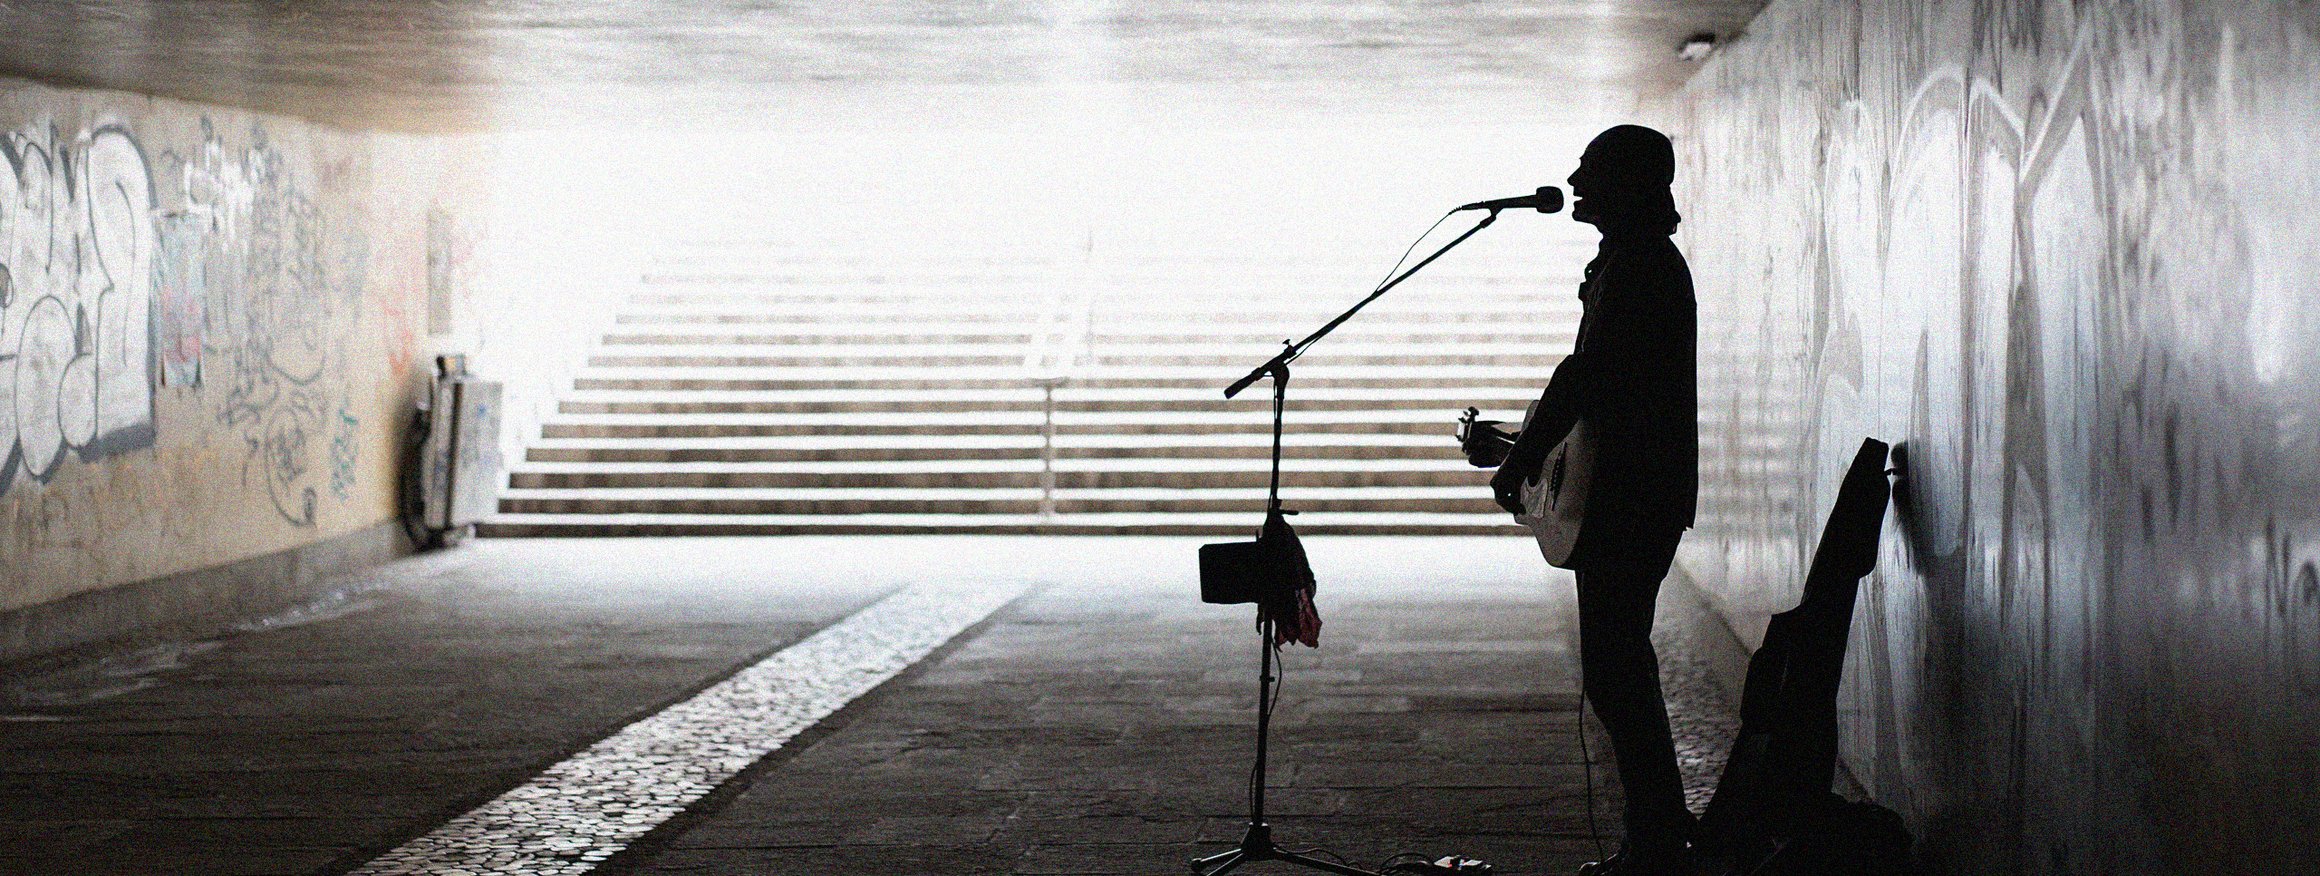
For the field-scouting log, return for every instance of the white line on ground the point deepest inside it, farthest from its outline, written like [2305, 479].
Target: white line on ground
[580, 812]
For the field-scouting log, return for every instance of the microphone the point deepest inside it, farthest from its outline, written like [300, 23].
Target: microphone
[1548, 199]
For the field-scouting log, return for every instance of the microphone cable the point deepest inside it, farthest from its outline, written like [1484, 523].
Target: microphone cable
[1587, 767]
[1382, 281]
[1586, 759]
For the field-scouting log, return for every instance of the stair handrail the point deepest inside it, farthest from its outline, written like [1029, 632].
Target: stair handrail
[1059, 347]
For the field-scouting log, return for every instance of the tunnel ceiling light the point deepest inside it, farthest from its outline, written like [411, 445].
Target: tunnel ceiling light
[1697, 47]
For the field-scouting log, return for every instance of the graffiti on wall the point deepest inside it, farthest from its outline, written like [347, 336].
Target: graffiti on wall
[345, 453]
[213, 270]
[276, 281]
[2048, 258]
[182, 290]
[77, 251]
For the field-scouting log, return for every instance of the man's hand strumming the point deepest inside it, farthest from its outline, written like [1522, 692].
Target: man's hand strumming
[1506, 486]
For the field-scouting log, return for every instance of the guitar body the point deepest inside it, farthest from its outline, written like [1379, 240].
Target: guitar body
[1555, 499]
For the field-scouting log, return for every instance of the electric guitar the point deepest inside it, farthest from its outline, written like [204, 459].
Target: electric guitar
[1554, 498]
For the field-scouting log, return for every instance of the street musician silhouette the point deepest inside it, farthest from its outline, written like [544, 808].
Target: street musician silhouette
[1630, 379]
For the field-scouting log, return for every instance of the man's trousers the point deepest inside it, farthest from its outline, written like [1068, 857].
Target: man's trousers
[1619, 580]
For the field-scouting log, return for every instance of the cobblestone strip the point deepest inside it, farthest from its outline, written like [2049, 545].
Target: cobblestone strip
[584, 810]
[1703, 720]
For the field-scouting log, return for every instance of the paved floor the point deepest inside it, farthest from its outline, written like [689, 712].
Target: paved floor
[1100, 722]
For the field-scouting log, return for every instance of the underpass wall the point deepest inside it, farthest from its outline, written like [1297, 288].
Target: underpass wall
[212, 328]
[2063, 256]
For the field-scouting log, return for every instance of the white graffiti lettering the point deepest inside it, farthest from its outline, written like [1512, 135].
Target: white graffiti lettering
[77, 248]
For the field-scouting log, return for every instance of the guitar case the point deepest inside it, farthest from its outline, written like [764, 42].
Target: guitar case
[1773, 812]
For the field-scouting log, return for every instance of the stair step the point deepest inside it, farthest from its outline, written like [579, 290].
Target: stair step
[1254, 494]
[1183, 283]
[1076, 480]
[1557, 304]
[1041, 298]
[1073, 423]
[1388, 360]
[849, 453]
[1073, 473]
[1249, 415]
[984, 500]
[718, 428]
[1096, 465]
[1236, 524]
[1384, 360]
[844, 337]
[1147, 448]
[1207, 382]
[1255, 351]
[1111, 317]
[806, 359]
[1068, 394]
[1000, 317]
[743, 282]
[1446, 405]
[985, 317]
[1177, 336]
[1502, 405]
[1519, 337]
[1291, 441]
[1101, 375]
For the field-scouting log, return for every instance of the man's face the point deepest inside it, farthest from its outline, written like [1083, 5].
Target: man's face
[1584, 184]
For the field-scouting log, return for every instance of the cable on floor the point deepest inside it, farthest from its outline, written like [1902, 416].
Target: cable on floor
[1587, 766]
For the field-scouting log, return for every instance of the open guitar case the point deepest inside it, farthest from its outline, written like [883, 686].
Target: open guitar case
[1774, 813]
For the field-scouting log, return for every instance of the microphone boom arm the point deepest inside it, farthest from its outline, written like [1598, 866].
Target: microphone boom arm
[1278, 366]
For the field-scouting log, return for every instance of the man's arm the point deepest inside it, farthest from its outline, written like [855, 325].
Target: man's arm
[1559, 409]
[1561, 405]
[1589, 384]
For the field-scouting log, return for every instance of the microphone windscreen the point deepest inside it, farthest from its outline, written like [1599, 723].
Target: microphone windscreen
[1550, 199]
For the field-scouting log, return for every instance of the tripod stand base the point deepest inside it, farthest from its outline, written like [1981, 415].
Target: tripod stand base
[1257, 845]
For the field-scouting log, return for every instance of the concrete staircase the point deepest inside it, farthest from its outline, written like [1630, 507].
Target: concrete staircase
[743, 392]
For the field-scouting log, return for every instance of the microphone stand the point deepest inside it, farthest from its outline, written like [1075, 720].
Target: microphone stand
[1257, 843]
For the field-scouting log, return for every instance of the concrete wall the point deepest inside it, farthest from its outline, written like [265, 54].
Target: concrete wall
[2065, 255]
[212, 326]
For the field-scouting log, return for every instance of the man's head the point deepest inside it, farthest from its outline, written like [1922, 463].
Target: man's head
[1623, 179]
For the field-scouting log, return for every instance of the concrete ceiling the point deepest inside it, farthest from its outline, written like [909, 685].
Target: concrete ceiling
[442, 65]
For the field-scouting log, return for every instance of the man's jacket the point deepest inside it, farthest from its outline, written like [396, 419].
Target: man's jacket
[1632, 377]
